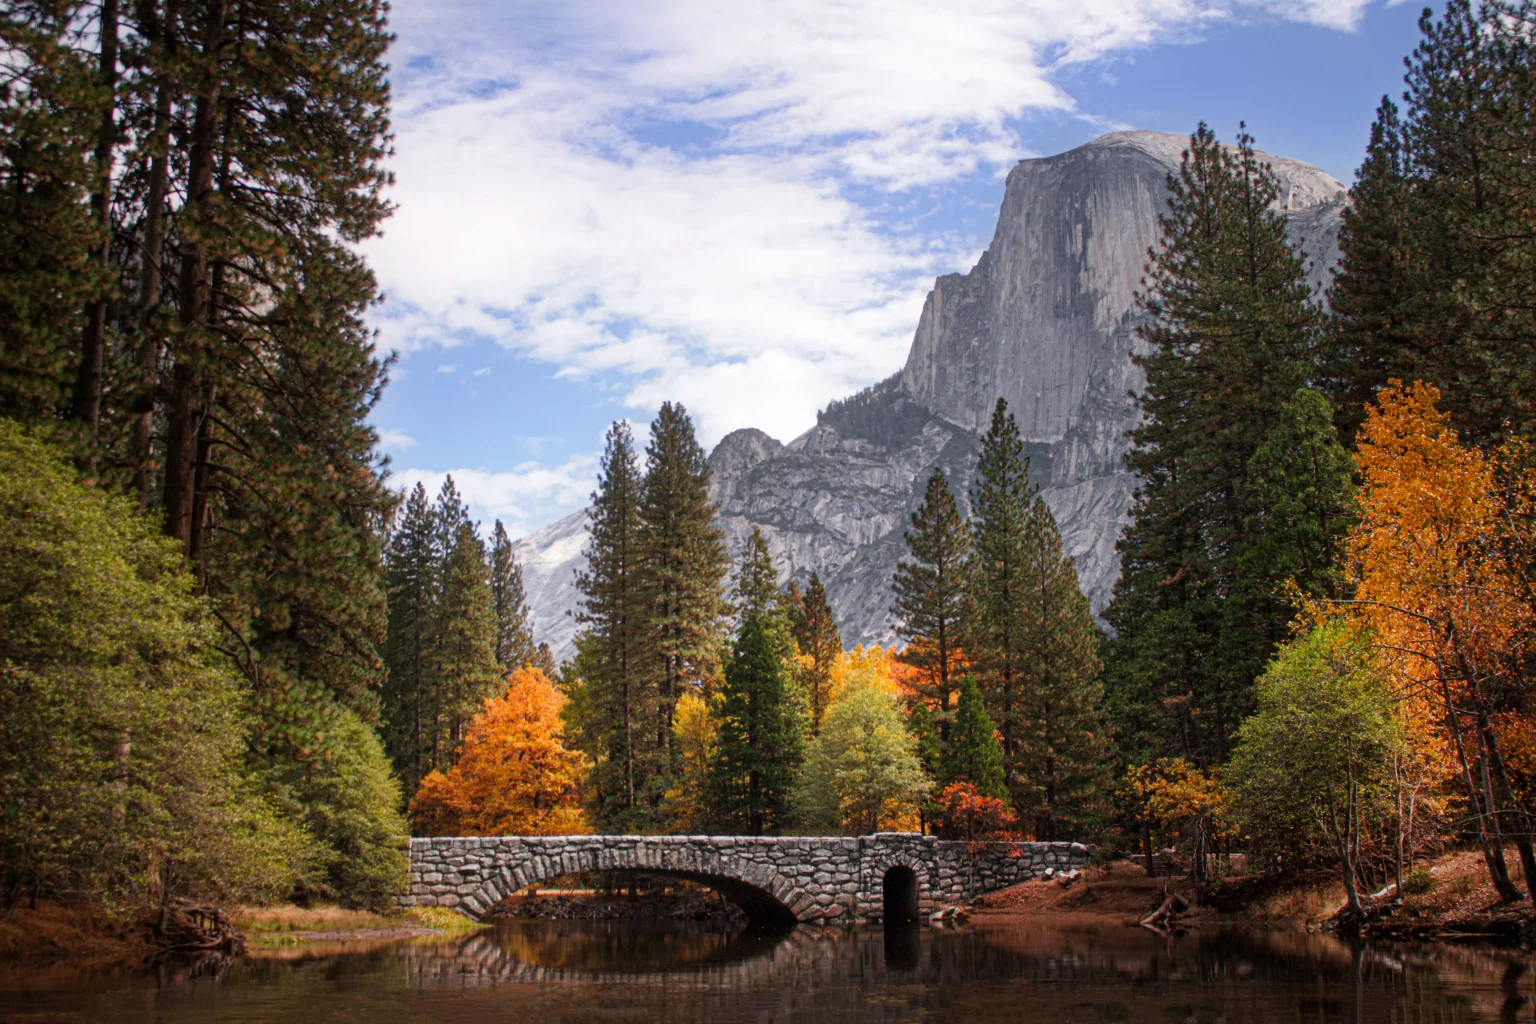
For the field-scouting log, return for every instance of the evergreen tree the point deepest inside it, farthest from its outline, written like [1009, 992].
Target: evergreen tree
[1371, 339]
[613, 705]
[1231, 322]
[998, 583]
[758, 750]
[757, 596]
[466, 668]
[820, 645]
[1436, 280]
[972, 754]
[1300, 491]
[1060, 785]
[514, 633]
[684, 565]
[930, 595]
[409, 694]
[46, 228]
[181, 295]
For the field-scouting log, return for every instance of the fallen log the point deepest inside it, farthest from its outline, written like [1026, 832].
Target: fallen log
[1160, 919]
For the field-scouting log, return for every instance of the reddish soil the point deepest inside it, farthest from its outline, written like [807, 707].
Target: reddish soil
[1119, 893]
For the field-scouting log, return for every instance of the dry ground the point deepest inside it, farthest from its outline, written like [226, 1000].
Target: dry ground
[1461, 901]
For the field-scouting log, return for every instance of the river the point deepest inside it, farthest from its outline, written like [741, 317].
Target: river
[550, 972]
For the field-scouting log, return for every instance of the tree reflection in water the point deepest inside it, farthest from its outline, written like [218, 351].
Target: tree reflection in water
[553, 972]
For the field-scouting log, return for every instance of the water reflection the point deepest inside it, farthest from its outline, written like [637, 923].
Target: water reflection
[553, 972]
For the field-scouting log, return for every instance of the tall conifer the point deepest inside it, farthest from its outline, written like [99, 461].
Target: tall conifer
[972, 754]
[409, 697]
[820, 645]
[1231, 324]
[514, 633]
[997, 584]
[681, 582]
[759, 735]
[1061, 783]
[466, 643]
[930, 595]
[614, 703]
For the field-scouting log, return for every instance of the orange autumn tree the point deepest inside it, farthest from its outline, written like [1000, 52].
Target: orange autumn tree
[514, 775]
[1441, 583]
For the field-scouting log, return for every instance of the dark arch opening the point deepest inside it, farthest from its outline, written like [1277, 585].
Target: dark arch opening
[899, 890]
[762, 908]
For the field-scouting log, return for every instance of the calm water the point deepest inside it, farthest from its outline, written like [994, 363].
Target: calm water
[551, 972]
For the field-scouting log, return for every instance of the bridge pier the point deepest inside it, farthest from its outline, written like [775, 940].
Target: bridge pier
[789, 878]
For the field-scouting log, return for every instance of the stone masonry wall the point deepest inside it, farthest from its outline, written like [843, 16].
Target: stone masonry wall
[811, 879]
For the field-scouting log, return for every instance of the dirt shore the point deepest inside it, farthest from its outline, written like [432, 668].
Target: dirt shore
[1458, 906]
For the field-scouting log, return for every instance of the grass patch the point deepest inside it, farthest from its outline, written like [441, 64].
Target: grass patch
[289, 918]
[285, 925]
[443, 919]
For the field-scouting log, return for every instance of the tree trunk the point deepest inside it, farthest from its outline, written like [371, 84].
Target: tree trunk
[152, 277]
[184, 417]
[1522, 821]
[1497, 872]
[87, 396]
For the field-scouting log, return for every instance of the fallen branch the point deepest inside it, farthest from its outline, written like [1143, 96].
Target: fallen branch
[1161, 918]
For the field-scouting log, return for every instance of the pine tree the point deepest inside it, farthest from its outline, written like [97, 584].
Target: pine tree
[411, 581]
[46, 229]
[930, 595]
[684, 565]
[1231, 322]
[1300, 491]
[757, 757]
[1371, 338]
[194, 320]
[466, 668]
[820, 645]
[972, 754]
[614, 705]
[1435, 282]
[514, 633]
[1063, 777]
[758, 596]
[998, 582]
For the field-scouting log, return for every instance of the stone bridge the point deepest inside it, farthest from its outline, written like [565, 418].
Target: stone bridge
[891, 875]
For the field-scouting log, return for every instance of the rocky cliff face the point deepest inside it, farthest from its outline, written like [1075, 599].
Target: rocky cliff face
[1045, 319]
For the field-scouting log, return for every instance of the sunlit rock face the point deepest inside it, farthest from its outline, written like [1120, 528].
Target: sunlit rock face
[1046, 319]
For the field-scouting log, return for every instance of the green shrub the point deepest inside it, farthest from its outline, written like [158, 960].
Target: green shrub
[1418, 882]
[352, 807]
[122, 738]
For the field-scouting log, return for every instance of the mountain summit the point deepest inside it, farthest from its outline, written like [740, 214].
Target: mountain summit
[1046, 319]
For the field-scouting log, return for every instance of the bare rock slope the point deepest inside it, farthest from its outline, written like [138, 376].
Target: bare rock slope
[1046, 319]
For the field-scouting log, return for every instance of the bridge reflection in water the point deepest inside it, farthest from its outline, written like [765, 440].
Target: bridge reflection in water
[555, 971]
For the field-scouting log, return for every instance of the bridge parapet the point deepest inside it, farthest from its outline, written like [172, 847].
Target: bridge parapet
[810, 879]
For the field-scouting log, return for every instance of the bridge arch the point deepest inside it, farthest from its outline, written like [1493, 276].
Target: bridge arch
[759, 890]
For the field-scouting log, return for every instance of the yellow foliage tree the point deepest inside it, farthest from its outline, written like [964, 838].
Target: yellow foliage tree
[871, 667]
[514, 775]
[696, 734]
[1439, 562]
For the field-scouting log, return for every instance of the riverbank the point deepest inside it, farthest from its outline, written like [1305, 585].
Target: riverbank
[286, 925]
[87, 938]
[1454, 903]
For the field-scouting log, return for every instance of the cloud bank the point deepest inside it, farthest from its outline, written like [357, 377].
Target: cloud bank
[716, 203]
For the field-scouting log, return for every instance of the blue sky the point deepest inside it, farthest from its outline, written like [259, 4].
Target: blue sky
[604, 204]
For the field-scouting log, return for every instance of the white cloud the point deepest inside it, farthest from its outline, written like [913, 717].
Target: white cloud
[447, 367]
[523, 498]
[682, 195]
[396, 440]
[484, 371]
